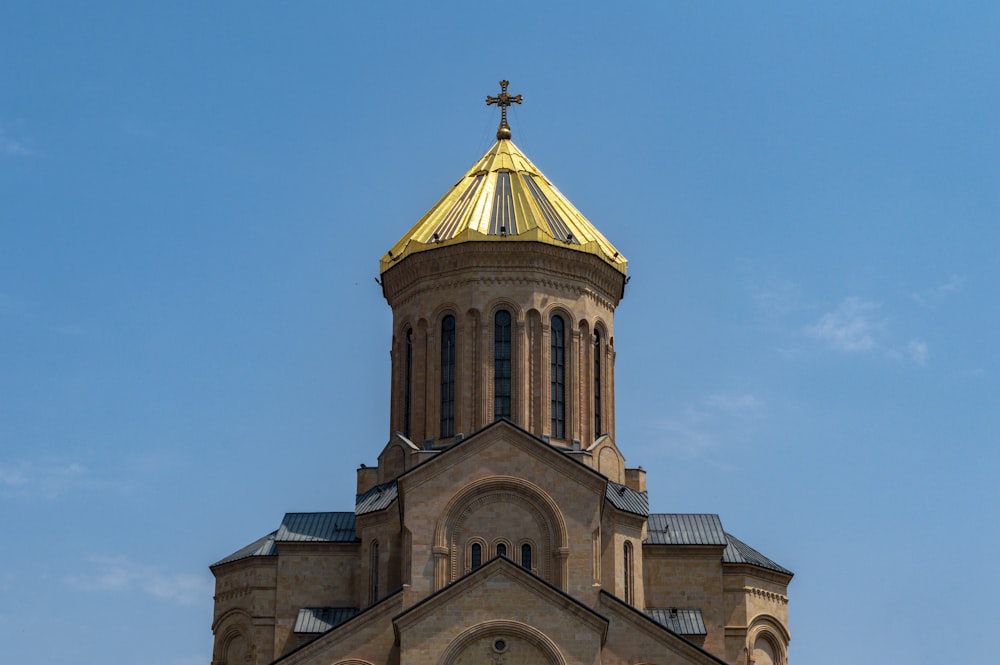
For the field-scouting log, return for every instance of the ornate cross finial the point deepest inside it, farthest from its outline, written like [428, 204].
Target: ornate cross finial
[503, 100]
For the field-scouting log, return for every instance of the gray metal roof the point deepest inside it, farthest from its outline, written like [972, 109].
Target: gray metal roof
[260, 547]
[739, 552]
[377, 498]
[685, 529]
[317, 527]
[627, 499]
[679, 620]
[322, 619]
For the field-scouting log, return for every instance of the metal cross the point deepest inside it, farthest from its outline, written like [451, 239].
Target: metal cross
[503, 100]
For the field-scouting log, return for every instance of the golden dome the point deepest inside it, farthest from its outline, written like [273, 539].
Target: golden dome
[504, 198]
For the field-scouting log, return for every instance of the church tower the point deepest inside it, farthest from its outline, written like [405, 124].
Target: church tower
[503, 298]
[501, 523]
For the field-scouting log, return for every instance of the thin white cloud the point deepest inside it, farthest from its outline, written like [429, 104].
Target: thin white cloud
[46, 479]
[719, 420]
[857, 326]
[122, 574]
[736, 404]
[12, 146]
[853, 327]
[931, 296]
[777, 299]
[917, 351]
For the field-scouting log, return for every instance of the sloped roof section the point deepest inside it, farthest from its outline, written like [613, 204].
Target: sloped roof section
[322, 619]
[377, 498]
[625, 498]
[685, 529]
[260, 547]
[679, 620]
[739, 552]
[317, 527]
[504, 198]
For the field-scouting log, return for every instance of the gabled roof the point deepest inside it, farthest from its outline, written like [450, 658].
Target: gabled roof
[625, 498]
[317, 527]
[685, 529]
[504, 198]
[377, 498]
[680, 620]
[261, 547]
[503, 565]
[322, 619]
[739, 552]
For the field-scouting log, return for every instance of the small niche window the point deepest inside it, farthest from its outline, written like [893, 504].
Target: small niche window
[597, 384]
[408, 390]
[629, 564]
[557, 358]
[501, 549]
[476, 555]
[448, 376]
[501, 364]
[526, 556]
[374, 572]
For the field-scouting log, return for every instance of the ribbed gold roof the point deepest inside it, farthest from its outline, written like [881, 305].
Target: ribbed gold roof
[504, 198]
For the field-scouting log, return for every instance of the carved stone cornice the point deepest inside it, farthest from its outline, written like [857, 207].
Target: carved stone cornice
[547, 266]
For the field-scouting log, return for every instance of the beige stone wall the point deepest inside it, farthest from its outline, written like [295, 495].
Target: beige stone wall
[368, 639]
[472, 281]
[481, 488]
[382, 528]
[311, 575]
[243, 621]
[538, 626]
[689, 577]
[633, 639]
[758, 616]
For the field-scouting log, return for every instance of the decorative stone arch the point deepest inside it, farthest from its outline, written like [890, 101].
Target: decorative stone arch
[353, 661]
[767, 633]
[611, 463]
[503, 302]
[550, 563]
[234, 643]
[500, 629]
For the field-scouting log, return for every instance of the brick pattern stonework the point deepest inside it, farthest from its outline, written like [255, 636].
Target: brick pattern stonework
[420, 575]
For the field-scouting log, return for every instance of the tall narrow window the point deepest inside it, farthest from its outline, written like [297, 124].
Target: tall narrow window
[526, 556]
[408, 390]
[477, 555]
[597, 384]
[501, 549]
[501, 364]
[374, 572]
[558, 388]
[628, 573]
[448, 376]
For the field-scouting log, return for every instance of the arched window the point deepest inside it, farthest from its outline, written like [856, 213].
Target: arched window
[597, 383]
[374, 572]
[408, 391]
[628, 571]
[526, 556]
[448, 376]
[477, 555]
[502, 353]
[501, 549]
[558, 377]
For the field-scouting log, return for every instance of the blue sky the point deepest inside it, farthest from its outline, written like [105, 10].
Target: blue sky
[194, 198]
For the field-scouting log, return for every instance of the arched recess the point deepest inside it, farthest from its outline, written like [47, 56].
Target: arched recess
[353, 661]
[502, 629]
[453, 530]
[234, 643]
[767, 641]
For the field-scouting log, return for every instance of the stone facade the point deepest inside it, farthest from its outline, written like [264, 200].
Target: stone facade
[487, 537]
